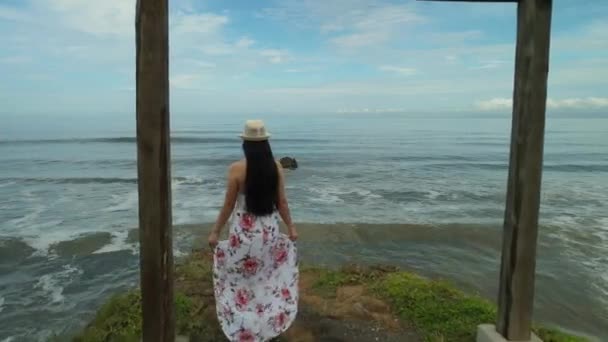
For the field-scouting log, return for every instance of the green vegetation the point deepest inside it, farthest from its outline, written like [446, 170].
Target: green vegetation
[437, 310]
[120, 320]
[434, 309]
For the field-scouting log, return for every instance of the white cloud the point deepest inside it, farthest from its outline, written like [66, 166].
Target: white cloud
[592, 36]
[244, 42]
[275, 56]
[375, 27]
[402, 71]
[455, 37]
[588, 102]
[358, 40]
[213, 51]
[349, 24]
[200, 24]
[184, 81]
[496, 103]
[571, 103]
[491, 64]
[108, 17]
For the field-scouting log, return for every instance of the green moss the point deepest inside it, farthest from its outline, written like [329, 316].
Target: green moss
[437, 310]
[549, 335]
[117, 320]
[120, 319]
[194, 268]
[442, 313]
[327, 281]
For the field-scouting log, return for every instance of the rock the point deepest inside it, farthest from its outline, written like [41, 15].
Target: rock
[14, 250]
[289, 163]
[84, 244]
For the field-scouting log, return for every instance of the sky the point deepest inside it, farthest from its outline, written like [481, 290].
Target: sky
[296, 56]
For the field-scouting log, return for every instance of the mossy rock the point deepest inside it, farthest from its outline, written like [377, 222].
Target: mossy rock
[435, 310]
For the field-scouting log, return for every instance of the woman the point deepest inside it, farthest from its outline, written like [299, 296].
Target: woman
[255, 271]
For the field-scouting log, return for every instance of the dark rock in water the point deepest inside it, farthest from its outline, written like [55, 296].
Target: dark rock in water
[133, 236]
[82, 245]
[14, 250]
[289, 163]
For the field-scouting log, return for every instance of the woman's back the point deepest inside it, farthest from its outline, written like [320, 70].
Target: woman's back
[256, 270]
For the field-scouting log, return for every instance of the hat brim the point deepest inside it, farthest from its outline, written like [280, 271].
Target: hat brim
[248, 138]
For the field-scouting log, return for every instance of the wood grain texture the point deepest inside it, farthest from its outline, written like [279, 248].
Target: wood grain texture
[516, 292]
[153, 167]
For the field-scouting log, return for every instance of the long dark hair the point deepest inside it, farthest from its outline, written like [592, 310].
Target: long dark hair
[262, 179]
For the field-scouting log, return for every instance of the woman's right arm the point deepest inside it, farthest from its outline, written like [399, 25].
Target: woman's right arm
[283, 206]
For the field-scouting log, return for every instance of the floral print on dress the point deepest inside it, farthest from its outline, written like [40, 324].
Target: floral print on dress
[255, 278]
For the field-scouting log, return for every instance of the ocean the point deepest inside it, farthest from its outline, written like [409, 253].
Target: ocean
[423, 192]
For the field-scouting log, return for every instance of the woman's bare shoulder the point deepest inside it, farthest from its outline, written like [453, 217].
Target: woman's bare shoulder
[237, 167]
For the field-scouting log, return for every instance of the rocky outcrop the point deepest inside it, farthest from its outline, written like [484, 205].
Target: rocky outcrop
[289, 163]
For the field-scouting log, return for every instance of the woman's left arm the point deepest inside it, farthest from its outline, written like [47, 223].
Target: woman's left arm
[232, 189]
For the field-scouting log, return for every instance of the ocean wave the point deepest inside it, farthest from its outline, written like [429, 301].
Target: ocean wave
[427, 158]
[5, 184]
[1, 303]
[330, 194]
[123, 202]
[120, 242]
[100, 180]
[577, 167]
[505, 166]
[51, 284]
[133, 140]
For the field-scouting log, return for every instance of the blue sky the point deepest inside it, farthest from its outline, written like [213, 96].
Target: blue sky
[295, 56]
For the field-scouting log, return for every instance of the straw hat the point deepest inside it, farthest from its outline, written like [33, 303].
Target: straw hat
[255, 131]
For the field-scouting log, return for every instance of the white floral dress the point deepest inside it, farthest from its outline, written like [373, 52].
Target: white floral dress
[255, 278]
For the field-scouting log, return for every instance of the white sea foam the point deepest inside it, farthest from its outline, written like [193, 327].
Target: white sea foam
[331, 194]
[9, 339]
[27, 219]
[119, 243]
[123, 202]
[326, 198]
[432, 194]
[2, 185]
[188, 180]
[41, 237]
[196, 207]
[51, 284]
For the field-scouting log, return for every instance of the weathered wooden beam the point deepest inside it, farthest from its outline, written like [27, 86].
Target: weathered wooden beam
[154, 173]
[516, 293]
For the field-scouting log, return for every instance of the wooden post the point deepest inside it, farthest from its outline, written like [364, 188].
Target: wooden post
[516, 293]
[154, 173]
